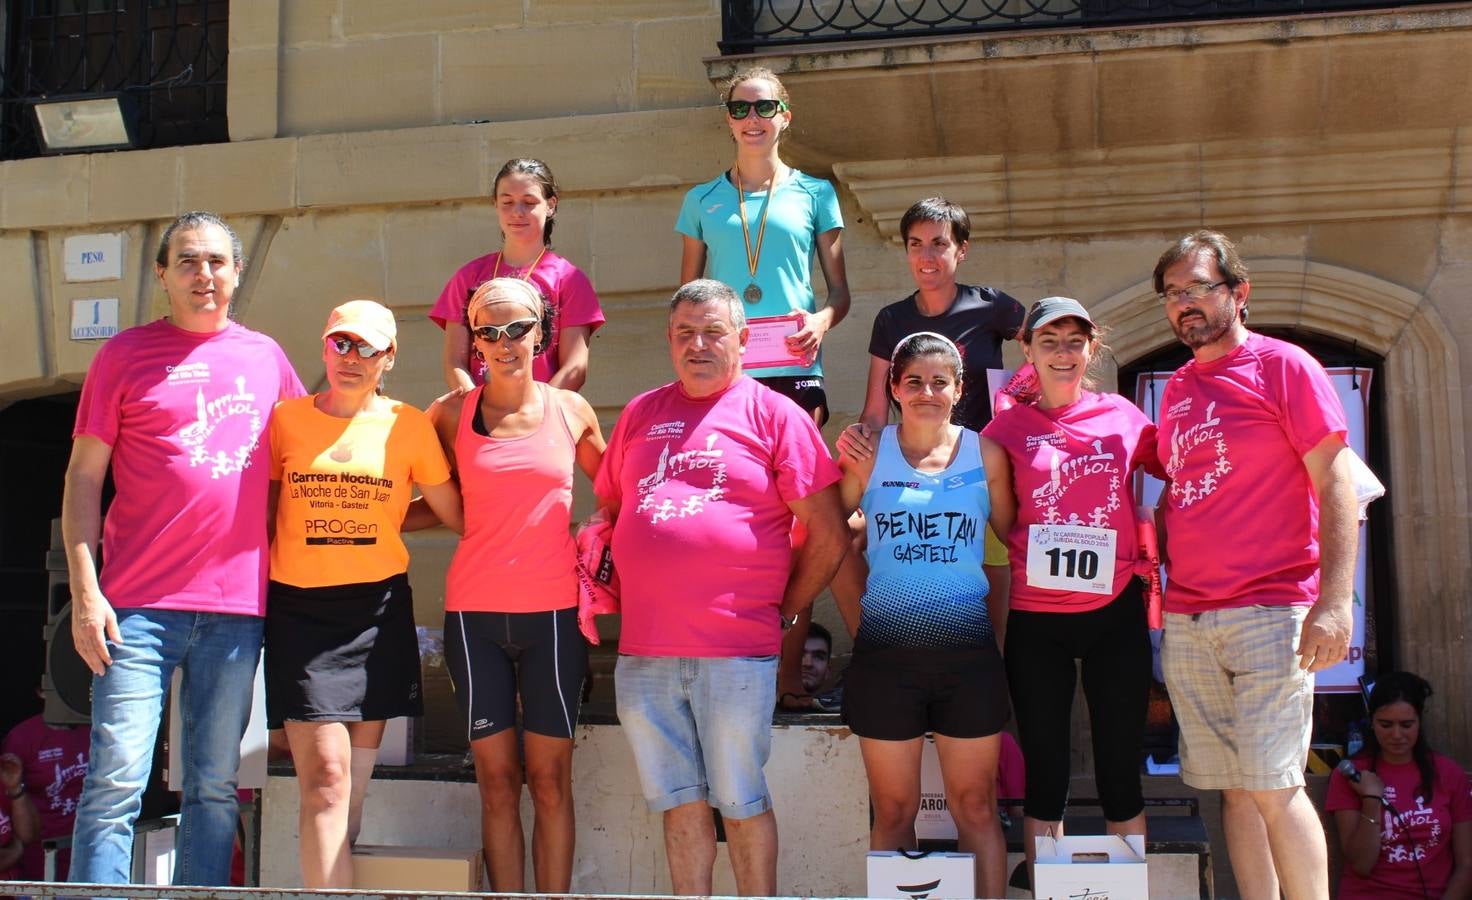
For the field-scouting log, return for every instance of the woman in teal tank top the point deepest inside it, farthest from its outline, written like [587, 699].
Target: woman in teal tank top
[925, 654]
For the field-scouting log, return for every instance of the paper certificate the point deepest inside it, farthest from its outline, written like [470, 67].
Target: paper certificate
[766, 346]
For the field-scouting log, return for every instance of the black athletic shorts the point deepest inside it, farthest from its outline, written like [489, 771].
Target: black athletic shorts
[900, 693]
[804, 390]
[346, 653]
[493, 657]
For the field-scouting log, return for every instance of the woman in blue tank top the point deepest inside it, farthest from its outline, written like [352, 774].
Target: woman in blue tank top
[925, 655]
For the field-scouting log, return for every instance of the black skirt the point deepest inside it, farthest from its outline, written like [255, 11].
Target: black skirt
[347, 653]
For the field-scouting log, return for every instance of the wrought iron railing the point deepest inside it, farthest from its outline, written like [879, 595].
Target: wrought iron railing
[167, 56]
[751, 25]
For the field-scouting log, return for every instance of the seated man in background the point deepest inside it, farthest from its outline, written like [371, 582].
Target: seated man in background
[817, 651]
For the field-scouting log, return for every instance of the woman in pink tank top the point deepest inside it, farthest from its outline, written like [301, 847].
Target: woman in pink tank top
[511, 634]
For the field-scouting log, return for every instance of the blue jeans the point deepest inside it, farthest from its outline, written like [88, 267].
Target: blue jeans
[218, 653]
[700, 729]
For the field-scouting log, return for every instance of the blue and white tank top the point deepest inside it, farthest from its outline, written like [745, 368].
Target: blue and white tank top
[926, 587]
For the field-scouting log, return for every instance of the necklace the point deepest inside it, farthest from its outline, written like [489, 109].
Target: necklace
[753, 294]
[525, 276]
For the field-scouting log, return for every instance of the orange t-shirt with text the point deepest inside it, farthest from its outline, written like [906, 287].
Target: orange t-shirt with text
[345, 487]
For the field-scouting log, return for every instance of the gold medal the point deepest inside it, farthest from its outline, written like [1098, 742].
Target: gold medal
[753, 294]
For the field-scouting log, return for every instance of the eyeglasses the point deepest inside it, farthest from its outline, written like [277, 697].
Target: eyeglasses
[1190, 292]
[513, 331]
[341, 344]
[738, 109]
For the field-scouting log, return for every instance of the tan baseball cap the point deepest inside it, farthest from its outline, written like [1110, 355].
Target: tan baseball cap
[368, 319]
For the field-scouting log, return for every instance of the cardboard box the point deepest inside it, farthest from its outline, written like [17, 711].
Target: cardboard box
[381, 868]
[397, 747]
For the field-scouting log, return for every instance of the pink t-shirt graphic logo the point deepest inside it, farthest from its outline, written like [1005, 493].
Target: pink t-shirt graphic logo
[225, 430]
[1062, 475]
[682, 464]
[1186, 491]
[65, 775]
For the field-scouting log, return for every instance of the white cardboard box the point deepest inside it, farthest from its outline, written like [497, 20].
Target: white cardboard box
[1097, 866]
[908, 875]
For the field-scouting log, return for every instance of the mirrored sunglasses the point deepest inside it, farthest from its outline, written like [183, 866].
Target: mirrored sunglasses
[341, 344]
[514, 331]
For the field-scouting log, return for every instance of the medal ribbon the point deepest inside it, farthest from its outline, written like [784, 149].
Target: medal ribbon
[753, 256]
[527, 275]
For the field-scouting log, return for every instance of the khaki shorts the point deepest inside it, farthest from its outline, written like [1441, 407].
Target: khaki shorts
[1244, 706]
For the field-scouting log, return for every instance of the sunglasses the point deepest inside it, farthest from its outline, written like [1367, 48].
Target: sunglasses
[341, 344]
[513, 331]
[738, 109]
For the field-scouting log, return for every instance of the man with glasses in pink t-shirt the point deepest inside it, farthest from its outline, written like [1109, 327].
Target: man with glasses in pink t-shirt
[709, 479]
[177, 409]
[1260, 538]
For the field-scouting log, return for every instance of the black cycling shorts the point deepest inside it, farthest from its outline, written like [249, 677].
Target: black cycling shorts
[494, 657]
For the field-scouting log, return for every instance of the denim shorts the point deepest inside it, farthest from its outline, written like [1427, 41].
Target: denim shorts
[700, 729]
[1245, 707]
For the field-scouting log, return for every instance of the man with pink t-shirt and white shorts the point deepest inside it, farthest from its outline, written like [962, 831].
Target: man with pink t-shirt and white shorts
[705, 477]
[1260, 533]
[178, 410]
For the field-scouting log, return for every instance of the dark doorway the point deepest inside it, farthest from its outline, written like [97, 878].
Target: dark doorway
[35, 442]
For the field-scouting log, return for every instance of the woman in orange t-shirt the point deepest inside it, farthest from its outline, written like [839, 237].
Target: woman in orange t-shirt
[342, 656]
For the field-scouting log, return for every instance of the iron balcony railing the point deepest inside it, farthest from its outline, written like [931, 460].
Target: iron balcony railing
[749, 26]
[166, 56]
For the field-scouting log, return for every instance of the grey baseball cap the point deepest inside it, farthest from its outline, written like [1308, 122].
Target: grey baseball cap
[1051, 309]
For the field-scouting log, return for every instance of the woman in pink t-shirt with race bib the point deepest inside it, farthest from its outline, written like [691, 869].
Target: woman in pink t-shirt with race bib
[1075, 598]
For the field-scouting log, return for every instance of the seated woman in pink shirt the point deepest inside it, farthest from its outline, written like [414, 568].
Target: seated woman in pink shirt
[511, 628]
[1405, 815]
[1066, 459]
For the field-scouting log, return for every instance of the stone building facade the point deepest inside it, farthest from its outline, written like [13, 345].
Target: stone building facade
[364, 134]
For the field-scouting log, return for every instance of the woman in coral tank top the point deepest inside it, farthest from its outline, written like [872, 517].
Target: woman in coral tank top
[511, 630]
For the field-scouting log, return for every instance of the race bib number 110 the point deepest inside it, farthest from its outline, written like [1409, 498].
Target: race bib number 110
[1071, 558]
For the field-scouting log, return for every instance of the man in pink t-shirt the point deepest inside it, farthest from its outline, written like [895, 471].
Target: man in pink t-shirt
[705, 477]
[1259, 538]
[178, 410]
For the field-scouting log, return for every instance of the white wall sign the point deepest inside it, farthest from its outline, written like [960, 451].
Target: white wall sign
[94, 320]
[93, 257]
